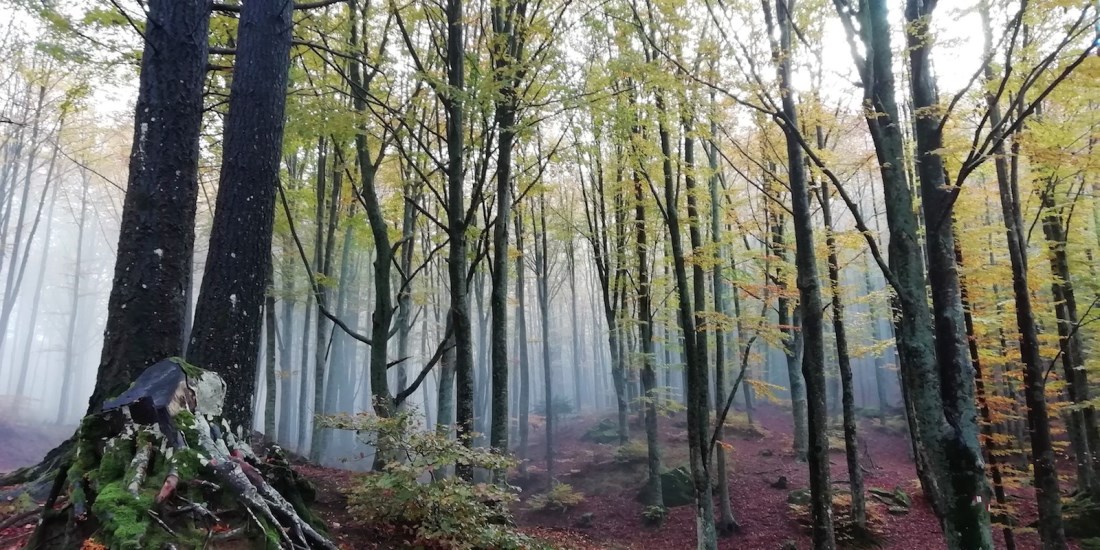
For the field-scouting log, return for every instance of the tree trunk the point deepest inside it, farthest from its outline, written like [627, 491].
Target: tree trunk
[1069, 338]
[72, 367]
[145, 313]
[1047, 494]
[382, 316]
[228, 314]
[286, 350]
[270, 336]
[521, 344]
[456, 231]
[809, 292]
[654, 491]
[851, 437]
[542, 285]
[965, 484]
[32, 323]
[696, 371]
[991, 446]
[727, 524]
[508, 19]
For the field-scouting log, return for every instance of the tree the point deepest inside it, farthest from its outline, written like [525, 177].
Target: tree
[229, 312]
[145, 314]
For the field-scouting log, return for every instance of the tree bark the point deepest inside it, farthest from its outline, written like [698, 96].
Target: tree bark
[145, 312]
[696, 371]
[228, 313]
[727, 524]
[654, 491]
[964, 487]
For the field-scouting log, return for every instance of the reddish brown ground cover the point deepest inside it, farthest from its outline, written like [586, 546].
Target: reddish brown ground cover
[610, 489]
[757, 461]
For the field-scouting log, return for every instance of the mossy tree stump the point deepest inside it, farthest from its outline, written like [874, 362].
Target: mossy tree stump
[158, 468]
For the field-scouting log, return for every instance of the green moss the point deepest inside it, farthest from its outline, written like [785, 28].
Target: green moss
[190, 370]
[116, 458]
[187, 463]
[185, 422]
[122, 515]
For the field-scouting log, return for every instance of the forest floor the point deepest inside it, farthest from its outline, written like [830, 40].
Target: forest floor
[759, 457]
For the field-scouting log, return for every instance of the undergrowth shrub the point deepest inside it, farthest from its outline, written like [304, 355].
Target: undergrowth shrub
[560, 497]
[847, 533]
[633, 452]
[413, 500]
[654, 516]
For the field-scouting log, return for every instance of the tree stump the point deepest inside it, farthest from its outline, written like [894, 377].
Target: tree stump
[158, 468]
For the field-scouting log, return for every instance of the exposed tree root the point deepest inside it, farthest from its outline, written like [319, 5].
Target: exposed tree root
[140, 473]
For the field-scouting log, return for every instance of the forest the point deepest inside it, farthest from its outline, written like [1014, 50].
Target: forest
[549, 274]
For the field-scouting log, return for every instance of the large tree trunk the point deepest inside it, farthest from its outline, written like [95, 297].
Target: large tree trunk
[457, 261]
[145, 313]
[965, 482]
[229, 310]
[947, 457]
[508, 19]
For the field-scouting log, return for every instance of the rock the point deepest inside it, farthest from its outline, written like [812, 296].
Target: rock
[780, 483]
[677, 488]
[799, 497]
[767, 452]
[897, 498]
[607, 431]
[789, 545]
[585, 521]
[898, 510]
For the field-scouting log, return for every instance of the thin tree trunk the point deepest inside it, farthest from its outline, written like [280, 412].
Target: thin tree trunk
[270, 336]
[521, 343]
[542, 285]
[727, 524]
[851, 436]
[32, 324]
[654, 491]
[696, 371]
[70, 365]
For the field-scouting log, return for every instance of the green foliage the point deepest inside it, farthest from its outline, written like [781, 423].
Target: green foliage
[441, 512]
[560, 497]
[632, 453]
[654, 516]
